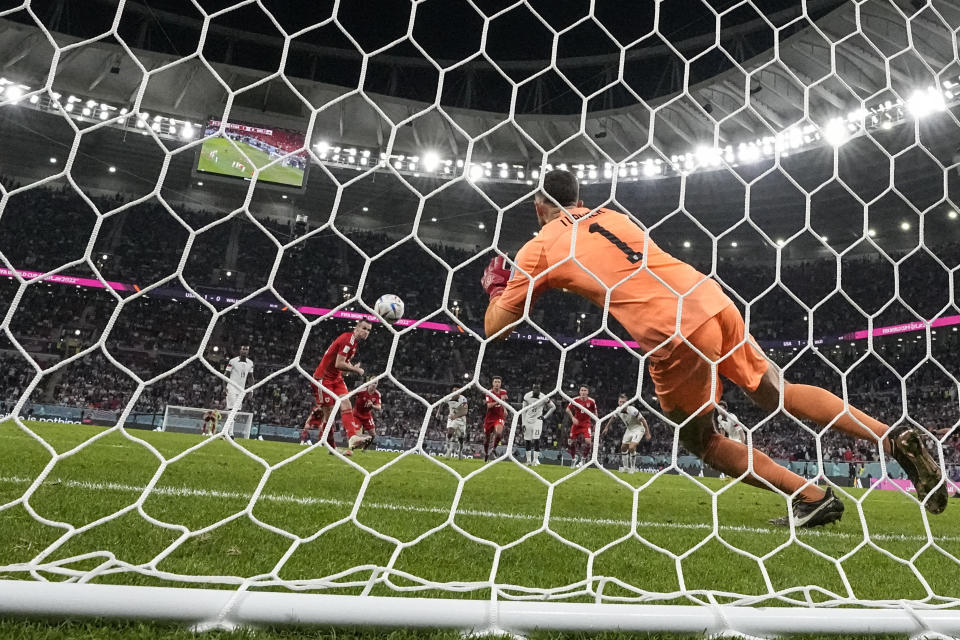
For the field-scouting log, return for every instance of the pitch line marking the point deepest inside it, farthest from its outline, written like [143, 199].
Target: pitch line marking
[312, 501]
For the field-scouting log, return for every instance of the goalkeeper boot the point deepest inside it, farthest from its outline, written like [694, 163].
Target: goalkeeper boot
[813, 514]
[907, 448]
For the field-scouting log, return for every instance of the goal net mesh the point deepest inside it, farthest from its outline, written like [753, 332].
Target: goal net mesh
[812, 178]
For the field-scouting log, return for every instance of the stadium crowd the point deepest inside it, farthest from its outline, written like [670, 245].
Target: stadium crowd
[44, 228]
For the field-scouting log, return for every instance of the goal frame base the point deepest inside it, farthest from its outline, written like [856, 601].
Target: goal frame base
[222, 608]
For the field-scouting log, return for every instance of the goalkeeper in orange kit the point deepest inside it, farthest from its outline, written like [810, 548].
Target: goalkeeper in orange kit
[690, 332]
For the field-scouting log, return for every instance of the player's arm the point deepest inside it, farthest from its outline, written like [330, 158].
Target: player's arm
[570, 413]
[646, 429]
[460, 412]
[491, 403]
[343, 365]
[508, 292]
[552, 406]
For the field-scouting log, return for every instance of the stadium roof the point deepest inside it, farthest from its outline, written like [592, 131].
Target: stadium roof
[867, 45]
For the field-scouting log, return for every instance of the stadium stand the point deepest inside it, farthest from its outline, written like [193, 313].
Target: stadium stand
[142, 245]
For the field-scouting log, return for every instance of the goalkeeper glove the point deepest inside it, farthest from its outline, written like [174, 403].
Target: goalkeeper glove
[495, 276]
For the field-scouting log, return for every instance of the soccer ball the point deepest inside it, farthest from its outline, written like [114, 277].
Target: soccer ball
[389, 307]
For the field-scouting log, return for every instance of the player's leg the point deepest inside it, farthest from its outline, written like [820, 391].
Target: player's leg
[572, 447]
[632, 457]
[683, 382]
[448, 443]
[487, 438]
[587, 455]
[351, 426]
[536, 450]
[761, 380]
[625, 456]
[498, 437]
[369, 432]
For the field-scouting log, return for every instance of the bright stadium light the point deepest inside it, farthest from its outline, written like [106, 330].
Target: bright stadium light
[53, 160]
[433, 219]
[112, 169]
[748, 153]
[431, 161]
[905, 226]
[476, 173]
[650, 169]
[481, 226]
[86, 111]
[322, 146]
[924, 102]
[872, 233]
[780, 242]
[14, 93]
[34, 99]
[686, 244]
[734, 244]
[187, 132]
[365, 209]
[835, 132]
[952, 215]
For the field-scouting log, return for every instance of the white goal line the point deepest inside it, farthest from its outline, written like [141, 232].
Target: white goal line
[307, 501]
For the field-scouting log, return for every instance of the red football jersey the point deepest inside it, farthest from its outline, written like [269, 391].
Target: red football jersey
[364, 401]
[577, 409]
[496, 412]
[345, 344]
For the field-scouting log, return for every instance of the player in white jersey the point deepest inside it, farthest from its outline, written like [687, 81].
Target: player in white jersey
[537, 407]
[635, 430]
[240, 372]
[456, 421]
[728, 424]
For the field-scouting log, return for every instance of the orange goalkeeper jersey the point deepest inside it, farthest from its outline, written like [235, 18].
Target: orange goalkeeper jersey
[650, 289]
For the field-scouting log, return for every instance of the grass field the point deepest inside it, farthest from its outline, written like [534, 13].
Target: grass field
[202, 497]
[227, 155]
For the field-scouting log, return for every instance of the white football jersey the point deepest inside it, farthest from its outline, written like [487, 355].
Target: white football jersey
[537, 407]
[630, 417]
[456, 404]
[238, 370]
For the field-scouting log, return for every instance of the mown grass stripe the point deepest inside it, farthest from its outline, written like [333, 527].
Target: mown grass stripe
[313, 501]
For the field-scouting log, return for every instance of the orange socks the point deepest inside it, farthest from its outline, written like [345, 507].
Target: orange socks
[730, 457]
[821, 406]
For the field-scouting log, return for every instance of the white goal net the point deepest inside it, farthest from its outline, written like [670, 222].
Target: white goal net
[194, 420]
[214, 195]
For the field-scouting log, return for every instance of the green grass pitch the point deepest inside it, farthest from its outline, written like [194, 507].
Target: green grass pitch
[670, 549]
[227, 155]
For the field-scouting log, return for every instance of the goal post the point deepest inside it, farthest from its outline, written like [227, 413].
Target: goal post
[178, 419]
[207, 609]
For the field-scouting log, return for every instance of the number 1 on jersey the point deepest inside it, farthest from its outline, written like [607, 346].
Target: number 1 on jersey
[632, 256]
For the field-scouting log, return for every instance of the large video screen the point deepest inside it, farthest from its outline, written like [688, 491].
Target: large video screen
[261, 146]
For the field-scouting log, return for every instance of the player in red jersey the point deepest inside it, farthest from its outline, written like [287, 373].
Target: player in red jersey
[316, 421]
[581, 425]
[367, 400]
[495, 419]
[329, 373]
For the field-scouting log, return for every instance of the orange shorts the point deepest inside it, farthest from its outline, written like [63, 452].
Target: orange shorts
[682, 380]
